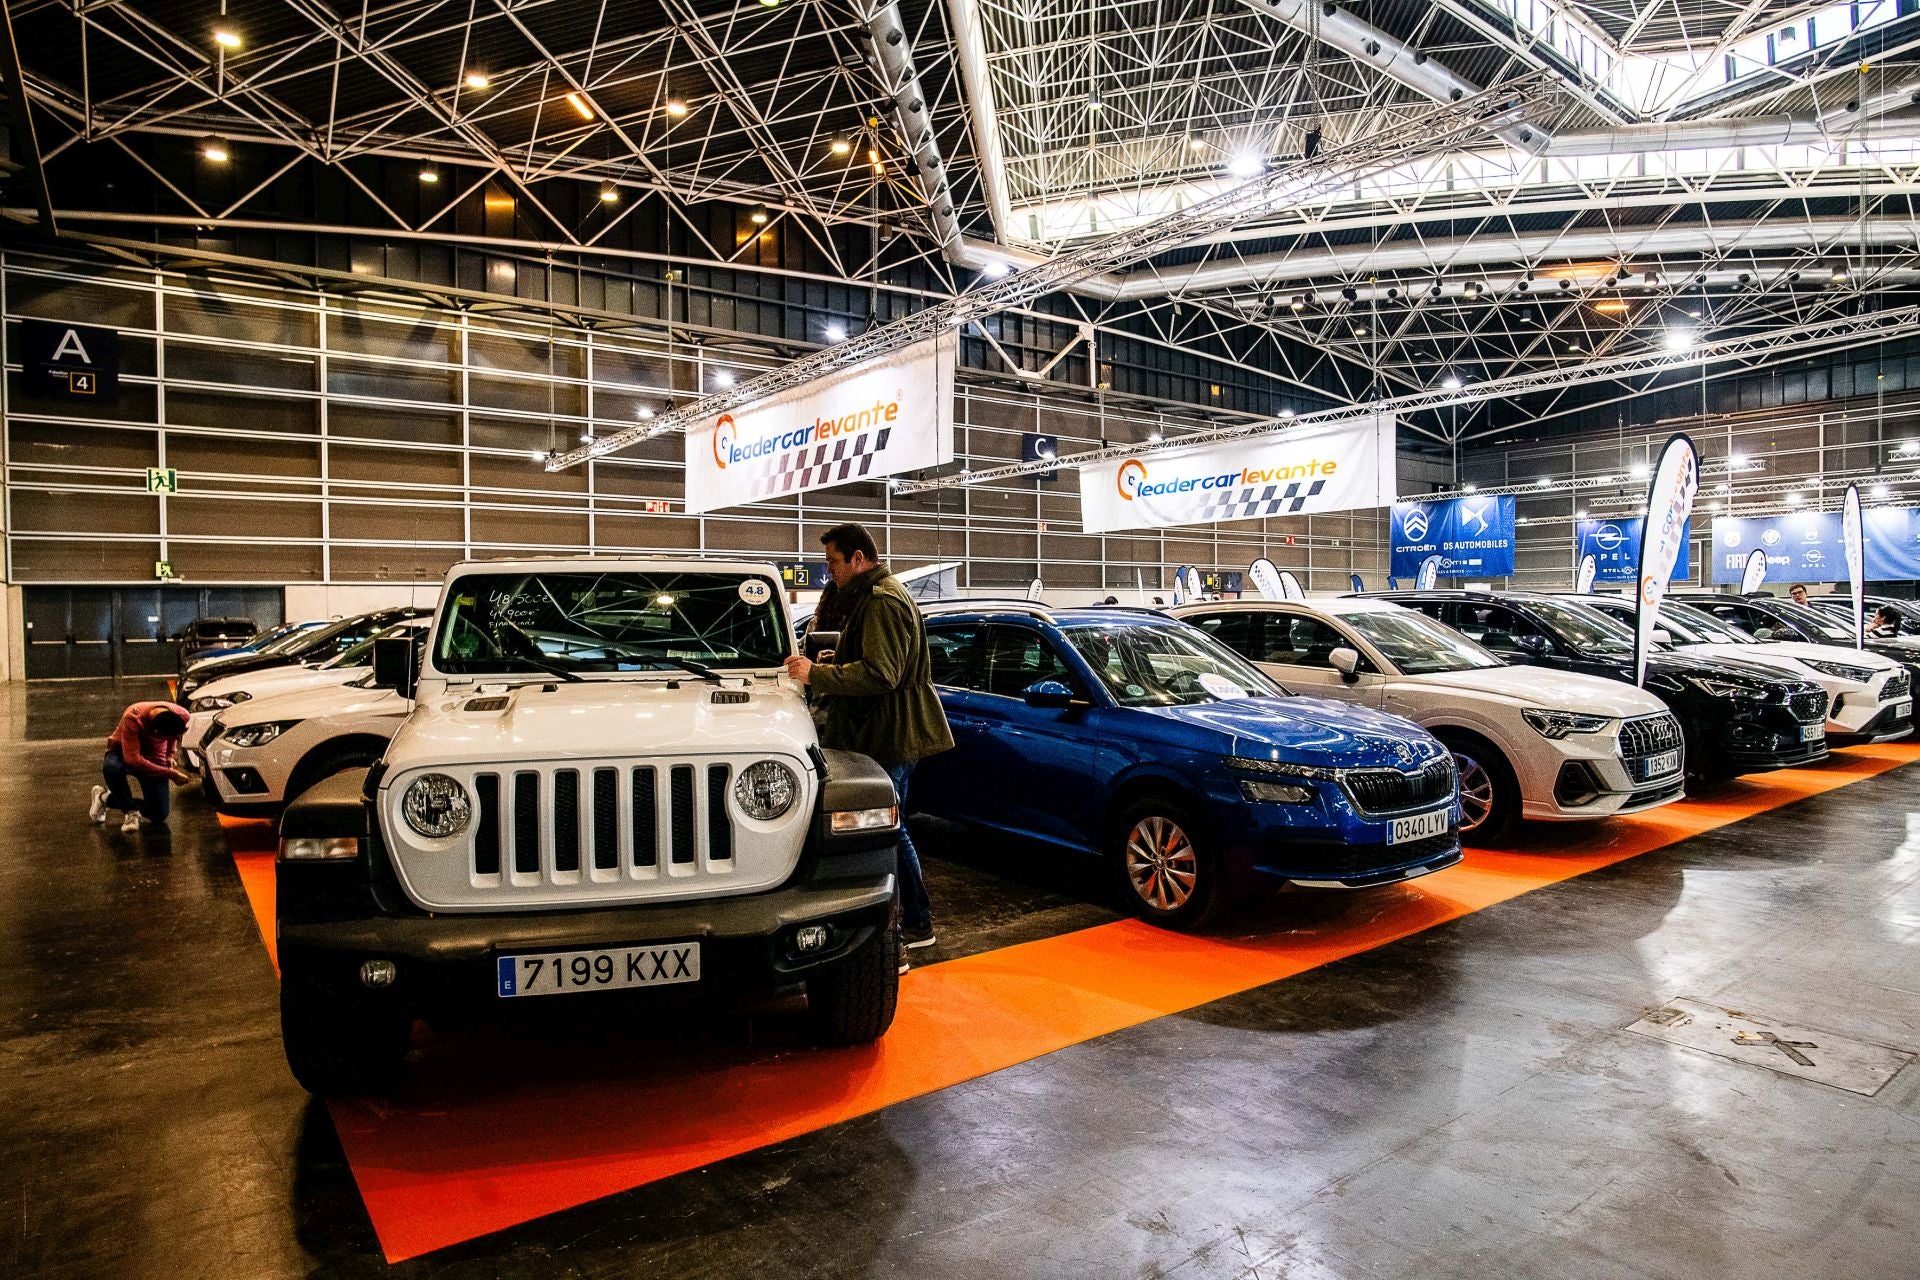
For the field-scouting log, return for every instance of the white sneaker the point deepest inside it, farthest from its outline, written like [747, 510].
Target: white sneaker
[97, 805]
[132, 823]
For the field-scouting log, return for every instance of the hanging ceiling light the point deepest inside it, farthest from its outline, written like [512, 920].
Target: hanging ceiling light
[579, 104]
[226, 37]
[214, 151]
[676, 108]
[609, 194]
[429, 176]
[476, 80]
[841, 147]
[758, 217]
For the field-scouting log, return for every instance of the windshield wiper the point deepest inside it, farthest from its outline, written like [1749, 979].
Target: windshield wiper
[538, 664]
[687, 664]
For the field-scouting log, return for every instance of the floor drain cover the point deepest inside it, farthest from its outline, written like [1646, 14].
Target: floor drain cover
[1853, 1065]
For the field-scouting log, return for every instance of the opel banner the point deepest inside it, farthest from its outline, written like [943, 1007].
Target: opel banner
[1338, 467]
[891, 414]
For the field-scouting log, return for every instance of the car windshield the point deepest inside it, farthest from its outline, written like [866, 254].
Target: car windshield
[361, 654]
[1161, 666]
[1696, 626]
[1583, 628]
[1417, 644]
[631, 620]
[1811, 620]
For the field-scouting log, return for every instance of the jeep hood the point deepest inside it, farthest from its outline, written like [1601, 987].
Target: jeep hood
[1309, 731]
[601, 719]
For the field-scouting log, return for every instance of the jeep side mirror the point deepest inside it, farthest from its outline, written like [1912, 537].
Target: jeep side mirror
[395, 666]
[1347, 662]
[1048, 693]
[819, 642]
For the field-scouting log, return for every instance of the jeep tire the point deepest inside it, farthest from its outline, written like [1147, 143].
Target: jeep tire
[340, 1045]
[853, 1001]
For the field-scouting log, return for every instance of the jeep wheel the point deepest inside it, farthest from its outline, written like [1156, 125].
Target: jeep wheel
[853, 1002]
[340, 1045]
[1489, 793]
[1168, 876]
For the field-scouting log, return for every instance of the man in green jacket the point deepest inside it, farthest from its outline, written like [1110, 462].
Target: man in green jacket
[878, 692]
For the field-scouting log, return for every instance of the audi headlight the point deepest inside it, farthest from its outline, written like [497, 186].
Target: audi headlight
[1840, 670]
[256, 735]
[436, 805]
[766, 790]
[1254, 764]
[1558, 724]
[1727, 689]
[214, 703]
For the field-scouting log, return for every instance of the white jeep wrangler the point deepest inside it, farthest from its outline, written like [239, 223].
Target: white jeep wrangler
[608, 790]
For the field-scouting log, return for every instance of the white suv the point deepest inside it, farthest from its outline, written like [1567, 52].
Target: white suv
[1869, 698]
[1529, 742]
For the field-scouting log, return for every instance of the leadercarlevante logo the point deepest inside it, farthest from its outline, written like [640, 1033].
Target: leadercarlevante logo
[827, 450]
[1227, 495]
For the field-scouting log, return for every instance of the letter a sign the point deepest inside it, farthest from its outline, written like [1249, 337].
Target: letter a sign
[70, 361]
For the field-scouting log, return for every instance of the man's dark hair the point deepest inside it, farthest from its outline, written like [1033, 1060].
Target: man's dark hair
[849, 538]
[168, 724]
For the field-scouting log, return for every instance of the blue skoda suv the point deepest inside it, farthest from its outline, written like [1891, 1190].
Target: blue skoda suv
[1132, 737]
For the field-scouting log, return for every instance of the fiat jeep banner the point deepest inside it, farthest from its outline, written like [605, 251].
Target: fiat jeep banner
[1304, 471]
[1809, 546]
[1266, 579]
[1583, 578]
[1854, 540]
[1615, 548]
[1427, 574]
[1755, 572]
[1669, 502]
[1473, 536]
[891, 414]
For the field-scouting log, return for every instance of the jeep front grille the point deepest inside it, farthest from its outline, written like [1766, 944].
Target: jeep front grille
[550, 841]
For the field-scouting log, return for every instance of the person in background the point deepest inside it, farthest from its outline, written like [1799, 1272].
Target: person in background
[879, 693]
[1885, 622]
[142, 746]
[1799, 592]
[1111, 600]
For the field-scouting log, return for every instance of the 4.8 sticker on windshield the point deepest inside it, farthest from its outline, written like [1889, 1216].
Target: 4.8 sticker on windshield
[755, 591]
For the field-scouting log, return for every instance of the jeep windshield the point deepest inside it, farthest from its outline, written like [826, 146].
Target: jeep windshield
[1154, 666]
[625, 621]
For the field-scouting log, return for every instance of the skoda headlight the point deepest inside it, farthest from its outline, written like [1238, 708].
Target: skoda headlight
[766, 790]
[1280, 768]
[1840, 670]
[256, 735]
[436, 805]
[1558, 724]
[214, 703]
[1727, 689]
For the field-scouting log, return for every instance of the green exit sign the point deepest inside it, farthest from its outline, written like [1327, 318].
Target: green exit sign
[163, 480]
[163, 569]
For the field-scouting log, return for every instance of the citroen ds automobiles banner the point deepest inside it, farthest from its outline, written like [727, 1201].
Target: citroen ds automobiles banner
[891, 414]
[1584, 575]
[1662, 538]
[1810, 546]
[1306, 471]
[1853, 540]
[1472, 536]
[1755, 573]
[1615, 548]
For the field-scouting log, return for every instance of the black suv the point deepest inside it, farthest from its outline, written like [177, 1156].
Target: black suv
[315, 644]
[1735, 718]
[1778, 618]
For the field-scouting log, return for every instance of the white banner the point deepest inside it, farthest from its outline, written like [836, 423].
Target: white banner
[892, 414]
[1034, 589]
[1589, 568]
[1852, 537]
[1266, 579]
[1669, 502]
[1337, 467]
[1290, 588]
[1428, 575]
[1755, 573]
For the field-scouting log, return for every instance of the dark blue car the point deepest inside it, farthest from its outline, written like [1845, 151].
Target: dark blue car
[1130, 736]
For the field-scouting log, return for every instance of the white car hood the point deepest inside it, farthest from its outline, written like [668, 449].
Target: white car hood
[277, 680]
[600, 719]
[311, 704]
[1553, 690]
[1794, 652]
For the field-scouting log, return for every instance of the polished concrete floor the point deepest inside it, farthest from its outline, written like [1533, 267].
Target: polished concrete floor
[1464, 1102]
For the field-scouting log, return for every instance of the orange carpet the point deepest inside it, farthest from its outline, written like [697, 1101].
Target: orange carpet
[492, 1131]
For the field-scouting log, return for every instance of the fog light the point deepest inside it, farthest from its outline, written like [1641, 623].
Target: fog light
[810, 937]
[319, 849]
[378, 973]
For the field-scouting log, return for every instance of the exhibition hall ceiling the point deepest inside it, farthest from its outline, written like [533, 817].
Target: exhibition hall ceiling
[1704, 168]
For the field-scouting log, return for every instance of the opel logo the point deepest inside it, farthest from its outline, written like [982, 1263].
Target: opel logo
[1415, 525]
[1813, 555]
[1608, 537]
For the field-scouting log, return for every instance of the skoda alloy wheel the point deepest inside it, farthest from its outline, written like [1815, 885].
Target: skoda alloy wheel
[1162, 864]
[1172, 878]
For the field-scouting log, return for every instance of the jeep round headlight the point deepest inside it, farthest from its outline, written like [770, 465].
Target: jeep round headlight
[766, 790]
[436, 805]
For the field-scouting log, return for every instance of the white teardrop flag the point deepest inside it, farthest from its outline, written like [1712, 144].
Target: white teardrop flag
[1852, 536]
[1266, 579]
[1755, 573]
[1428, 575]
[1583, 581]
[1670, 497]
[1355, 581]
[1290, 588]
[1034, 589]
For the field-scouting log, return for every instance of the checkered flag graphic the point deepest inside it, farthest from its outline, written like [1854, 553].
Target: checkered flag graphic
[835, 462]
[1274, 500]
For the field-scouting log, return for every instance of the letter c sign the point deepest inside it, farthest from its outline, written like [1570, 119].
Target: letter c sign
[722, 423]
[1137, 470]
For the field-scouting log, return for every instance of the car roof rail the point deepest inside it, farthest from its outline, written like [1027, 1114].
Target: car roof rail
[987, 604]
